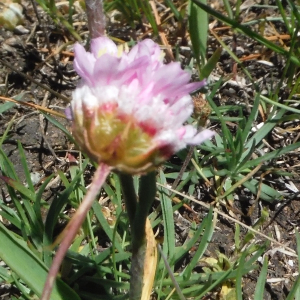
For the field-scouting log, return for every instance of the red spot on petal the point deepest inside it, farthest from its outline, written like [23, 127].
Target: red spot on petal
[109, 107]
[88, 112]
[148, 128]
[166, 151]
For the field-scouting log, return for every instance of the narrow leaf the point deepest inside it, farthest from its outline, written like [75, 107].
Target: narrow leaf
[14, 254]
[198, 28]
[260, 286]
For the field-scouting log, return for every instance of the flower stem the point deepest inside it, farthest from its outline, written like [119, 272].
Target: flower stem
[72, 228]
[144, 252]
[96, 18]
[129, 195]
[147, 191]
[143, 266]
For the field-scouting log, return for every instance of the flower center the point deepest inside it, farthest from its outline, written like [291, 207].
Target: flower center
[116, 138]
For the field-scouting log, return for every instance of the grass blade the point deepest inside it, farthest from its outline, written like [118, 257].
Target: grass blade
[198, 28]
[169, 227]
[245, 30]
[260, 286]
[205, 239]
[14, 253]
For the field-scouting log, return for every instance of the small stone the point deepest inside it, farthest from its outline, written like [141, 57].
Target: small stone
[231, 91]
[7, 48]
[20, 29]
[11, 15]
[35, 177]
[13, 41]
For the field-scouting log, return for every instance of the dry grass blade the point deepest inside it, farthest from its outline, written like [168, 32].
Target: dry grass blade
[162, 35]
[35, 106]
[149, 263]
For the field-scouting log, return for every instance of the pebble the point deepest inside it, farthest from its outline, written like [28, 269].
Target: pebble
[35, 177]
[20, 29]
[13, 41]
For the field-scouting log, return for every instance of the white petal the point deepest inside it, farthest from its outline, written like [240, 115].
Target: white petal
[199, 138]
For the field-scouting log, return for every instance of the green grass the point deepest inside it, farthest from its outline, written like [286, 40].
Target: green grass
[232, 161]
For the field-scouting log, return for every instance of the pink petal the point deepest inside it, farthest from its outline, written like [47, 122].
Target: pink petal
[106, 68]
[103, 45]
[191, 87]
[180, 91]
[130, 71]
[183, 108]
[84, 63]
[146, 95]
[169, 78]
[69, 113]
[146, 48]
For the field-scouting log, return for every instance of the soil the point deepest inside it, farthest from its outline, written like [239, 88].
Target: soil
[46, 147]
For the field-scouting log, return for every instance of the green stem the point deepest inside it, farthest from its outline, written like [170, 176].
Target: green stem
[138, 210]
[137, 272]
[129, 196]
[140, 246]
[147, 191]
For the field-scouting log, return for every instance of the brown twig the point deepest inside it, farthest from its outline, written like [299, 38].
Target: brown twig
[184, 166]
[35, 106]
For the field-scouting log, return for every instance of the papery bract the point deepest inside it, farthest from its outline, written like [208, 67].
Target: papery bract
[129, 108]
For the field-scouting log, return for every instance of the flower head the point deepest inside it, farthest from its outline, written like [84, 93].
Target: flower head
[129, 108]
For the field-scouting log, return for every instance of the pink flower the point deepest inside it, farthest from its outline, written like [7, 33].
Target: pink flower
[129, 108]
